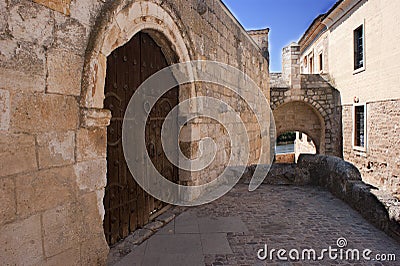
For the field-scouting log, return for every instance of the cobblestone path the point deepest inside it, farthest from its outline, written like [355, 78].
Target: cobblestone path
[230, 230]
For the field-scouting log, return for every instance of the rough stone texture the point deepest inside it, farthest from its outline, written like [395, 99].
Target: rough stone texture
[285, 158]
[62, 6]
[40, 113]
[92, 221]
[56, 149]
[66, 31]
[31, 23]
[91, 175]
[64, 72]
[94, 251]
[21, 242]
[261, 38]
[46, 188]
[90, 143]
[380, 164]
[4, 110]
[70, 257]
[291, 65]
[343, 180]
[92, 118]
[281, 174]
[7, 199]
[314, 109]
[62, 228]
[18, 154]
[25, 62]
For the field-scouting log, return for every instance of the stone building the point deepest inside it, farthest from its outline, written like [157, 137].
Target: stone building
[60, 102]
[306, 103]
[354, 45]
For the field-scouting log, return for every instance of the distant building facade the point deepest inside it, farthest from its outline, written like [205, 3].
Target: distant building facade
[355, 44]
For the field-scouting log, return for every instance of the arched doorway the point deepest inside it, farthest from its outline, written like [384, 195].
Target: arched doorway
[127, 206]
[302, 117]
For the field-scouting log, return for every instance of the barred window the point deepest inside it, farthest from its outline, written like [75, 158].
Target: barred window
[359, 126]
[359, 47]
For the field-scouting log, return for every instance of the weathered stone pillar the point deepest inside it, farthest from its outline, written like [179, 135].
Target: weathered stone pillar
[291, 65]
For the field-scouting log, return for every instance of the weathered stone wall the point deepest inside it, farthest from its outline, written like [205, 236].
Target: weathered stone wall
[380, 165]
[53, 125]
[261, 39]
[291, 65]
[314, 109]
[344, 180]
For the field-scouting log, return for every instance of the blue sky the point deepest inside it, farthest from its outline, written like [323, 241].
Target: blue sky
[287, 20]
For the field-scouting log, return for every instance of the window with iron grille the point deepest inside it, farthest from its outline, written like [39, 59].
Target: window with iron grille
[359, 126]
[359, 47]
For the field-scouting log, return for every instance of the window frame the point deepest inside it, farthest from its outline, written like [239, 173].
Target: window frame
[321, 62]
[355, 147]
[362, 68]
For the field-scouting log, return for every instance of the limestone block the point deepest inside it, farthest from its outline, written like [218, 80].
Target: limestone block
[64, 72]
[95, 80]
[22, 66]
[17, 153]
[91, 175]
[56, 149]
[85, 11]
[66, 33]
[4, 110]
[70, 257]
[7, 199]
[62, 228]
[3, 17]
[114, 38]
[91, 143]
[30, 22]
[95, 118]
[44, 190]
[92, 216]
[39, 113]
[21, 242]
[62, 6]
[94, 251]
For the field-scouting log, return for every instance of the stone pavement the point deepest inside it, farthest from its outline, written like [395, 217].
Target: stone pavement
[230, 230]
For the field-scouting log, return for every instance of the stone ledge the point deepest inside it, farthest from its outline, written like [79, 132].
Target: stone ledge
[127, 245]
[344, 180]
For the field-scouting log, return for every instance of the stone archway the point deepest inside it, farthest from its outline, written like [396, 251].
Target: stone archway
[115, 27]
[314, 96]
[303, 117]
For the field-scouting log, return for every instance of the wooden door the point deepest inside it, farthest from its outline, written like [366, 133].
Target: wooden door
[127, 206]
